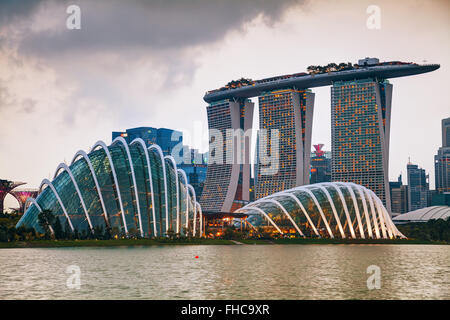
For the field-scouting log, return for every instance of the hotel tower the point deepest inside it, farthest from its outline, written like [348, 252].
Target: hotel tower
[360, 124]
[227, 181]
[290, 112]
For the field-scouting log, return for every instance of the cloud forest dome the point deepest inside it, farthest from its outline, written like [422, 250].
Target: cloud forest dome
[329, 210]
[424, 214]
[130, 189]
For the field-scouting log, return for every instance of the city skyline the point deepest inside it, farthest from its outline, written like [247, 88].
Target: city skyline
[85, 112]
[216, 157]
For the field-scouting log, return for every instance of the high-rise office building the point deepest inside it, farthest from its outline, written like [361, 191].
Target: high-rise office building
[418, 187]
[360, 125]
[195, 168]
[446, 133]
[289, 111]
[167, 139]
[320, 165]
[148, 134]
[190, 160]
[442, 170]
[399, 196]
[227, 182]
[442, 160]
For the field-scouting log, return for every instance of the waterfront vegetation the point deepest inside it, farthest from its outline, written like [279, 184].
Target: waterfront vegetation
[431, 232]
[438, 229]
[203, 241]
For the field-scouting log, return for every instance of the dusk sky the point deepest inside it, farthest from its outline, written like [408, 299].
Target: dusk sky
[149, 63]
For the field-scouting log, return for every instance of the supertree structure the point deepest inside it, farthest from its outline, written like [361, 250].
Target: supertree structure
[22, 195]
[5, 187]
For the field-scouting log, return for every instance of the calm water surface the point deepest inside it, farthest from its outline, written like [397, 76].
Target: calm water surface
[228, 272]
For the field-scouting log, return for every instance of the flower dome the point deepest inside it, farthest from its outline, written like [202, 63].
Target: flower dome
[127, 188]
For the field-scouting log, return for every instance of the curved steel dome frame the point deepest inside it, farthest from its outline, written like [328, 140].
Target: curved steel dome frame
[328, 209]
[128, 188]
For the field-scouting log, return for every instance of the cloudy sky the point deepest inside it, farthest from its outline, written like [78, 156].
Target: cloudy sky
[149, 63]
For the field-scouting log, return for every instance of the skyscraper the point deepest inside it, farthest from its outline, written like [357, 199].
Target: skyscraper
[446, 133]
[418, 187]
[289, 111]
[167, 139]
[227, 181]
[399, 196]
[195, 168]
[360, 125]
[320, 165]
[442, 160]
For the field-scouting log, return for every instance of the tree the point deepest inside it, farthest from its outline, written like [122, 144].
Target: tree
[107, 235]
[58, 229]
[98, 232]
[68, 231]
[187, 232]
[228, 233]
[46, 219]
[170, 233]
[3, 233]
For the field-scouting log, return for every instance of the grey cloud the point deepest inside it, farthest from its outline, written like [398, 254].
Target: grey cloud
[156, 24]
[132, 31]
[6, 99]
[11, 102]
[13, 9]
[28, 105]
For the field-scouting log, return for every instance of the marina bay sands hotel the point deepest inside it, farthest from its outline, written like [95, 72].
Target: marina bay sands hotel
[361, 98]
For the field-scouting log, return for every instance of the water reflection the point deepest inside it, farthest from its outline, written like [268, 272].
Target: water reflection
[228, 272]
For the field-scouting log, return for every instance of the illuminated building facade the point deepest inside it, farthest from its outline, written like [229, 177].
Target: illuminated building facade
[326, 210]
[227, 183]
[290, 112]
[127, 188]
[360, 125]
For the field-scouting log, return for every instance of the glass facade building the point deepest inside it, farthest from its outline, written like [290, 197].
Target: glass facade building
[167, 139]
[130, 189]
[290, 112]
[442, 160]
[320, 165]
[418, 187]
[360, 126]
[399, 196]
[329, 210]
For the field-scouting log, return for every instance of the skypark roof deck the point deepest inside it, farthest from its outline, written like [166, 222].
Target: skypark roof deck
[304, 80]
